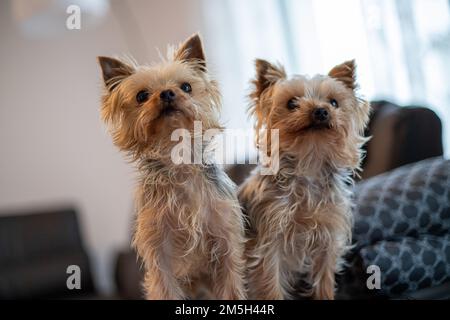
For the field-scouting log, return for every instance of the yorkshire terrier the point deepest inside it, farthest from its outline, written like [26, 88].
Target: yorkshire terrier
[300, 218]
[189, 229]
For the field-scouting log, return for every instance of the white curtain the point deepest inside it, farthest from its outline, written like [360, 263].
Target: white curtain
[402, 47]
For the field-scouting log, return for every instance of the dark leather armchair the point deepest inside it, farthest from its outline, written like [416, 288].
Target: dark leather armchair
[35, 250]
[400, 136]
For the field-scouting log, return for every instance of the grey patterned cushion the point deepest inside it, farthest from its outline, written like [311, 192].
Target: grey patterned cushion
[402, 225]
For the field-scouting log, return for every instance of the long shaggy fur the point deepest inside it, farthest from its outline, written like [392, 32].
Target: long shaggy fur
[189, 229]
[300, 218]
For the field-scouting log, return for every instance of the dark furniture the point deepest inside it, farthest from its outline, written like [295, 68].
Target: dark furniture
[129, 275]
[400, 135]
[35, 250]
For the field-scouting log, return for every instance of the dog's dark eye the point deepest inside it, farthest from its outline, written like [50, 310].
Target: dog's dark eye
[186, 87]
[334, 103]
[142, 96]
[292, 104]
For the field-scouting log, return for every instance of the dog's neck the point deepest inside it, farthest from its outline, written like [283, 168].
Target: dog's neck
[177, 157]
[308, 166]
[157, 169]
[322, 183]
[313, 171]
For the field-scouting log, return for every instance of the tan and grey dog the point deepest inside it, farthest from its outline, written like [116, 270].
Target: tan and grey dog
[189, 229]
[300, 218]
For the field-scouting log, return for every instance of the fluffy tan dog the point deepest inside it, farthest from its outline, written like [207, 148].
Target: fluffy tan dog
[189, 228]
[300, 218]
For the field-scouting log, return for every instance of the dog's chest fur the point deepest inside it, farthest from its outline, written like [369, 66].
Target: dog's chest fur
[189, 204]
[300, 215]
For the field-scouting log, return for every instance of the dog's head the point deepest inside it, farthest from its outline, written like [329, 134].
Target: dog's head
[320, 115]
[144, 104]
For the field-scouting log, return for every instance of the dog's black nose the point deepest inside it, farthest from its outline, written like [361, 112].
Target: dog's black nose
[167, 95]
[321, 115]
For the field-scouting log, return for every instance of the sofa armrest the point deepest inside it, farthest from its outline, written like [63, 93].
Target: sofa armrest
[400, 136]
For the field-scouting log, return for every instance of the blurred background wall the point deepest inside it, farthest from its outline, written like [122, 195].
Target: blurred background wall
[54, 148]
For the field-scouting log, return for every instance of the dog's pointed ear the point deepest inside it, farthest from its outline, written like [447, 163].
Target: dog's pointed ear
[267, 74]
[114, 71]
[191, 50]
[345, 73]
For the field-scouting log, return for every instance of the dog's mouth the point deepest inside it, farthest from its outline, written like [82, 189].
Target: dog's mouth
[315, 127]
[169, 110]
